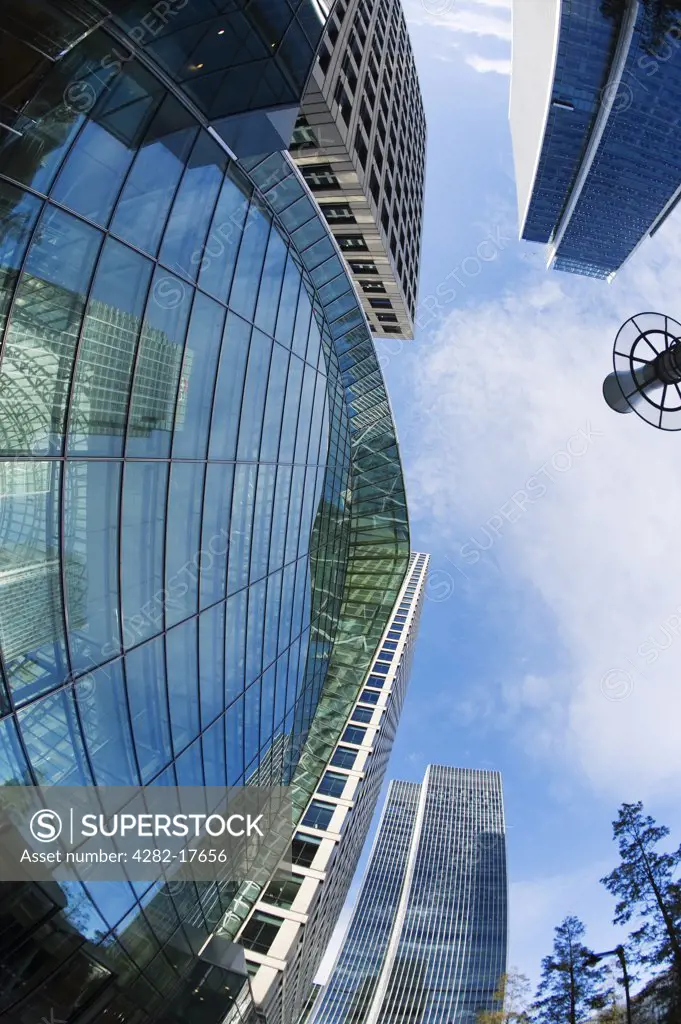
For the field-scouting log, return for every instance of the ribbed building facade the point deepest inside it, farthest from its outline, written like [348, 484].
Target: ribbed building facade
[595, 95]
[427, 940]
[203, 525]
[360, 142]
[289, 929]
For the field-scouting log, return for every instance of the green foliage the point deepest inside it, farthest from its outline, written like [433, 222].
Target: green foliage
[571, 986]
[648, 890]
[512, 998]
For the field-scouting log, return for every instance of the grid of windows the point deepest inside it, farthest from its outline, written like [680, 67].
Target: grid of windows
[366, 79]
[283, 1004]
[427, 939]
[599, 187]
[176, 450]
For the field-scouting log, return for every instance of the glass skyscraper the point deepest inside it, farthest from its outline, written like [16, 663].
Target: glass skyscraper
[203, 526]
[427, 940]
[595, 95]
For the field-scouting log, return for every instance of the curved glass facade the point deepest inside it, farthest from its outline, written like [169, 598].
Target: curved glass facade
[203, 525]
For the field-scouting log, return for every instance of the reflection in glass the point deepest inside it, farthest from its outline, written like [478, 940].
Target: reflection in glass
[31, 612]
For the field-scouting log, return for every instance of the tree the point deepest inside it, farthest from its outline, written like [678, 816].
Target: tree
[648, 889]
[571, 987]
[512, 998]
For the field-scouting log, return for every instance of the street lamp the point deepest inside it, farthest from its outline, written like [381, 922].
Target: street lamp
[647, 370]
[618, 951]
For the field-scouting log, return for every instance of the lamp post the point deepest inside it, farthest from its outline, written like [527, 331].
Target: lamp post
[618, 951]
[647, 370]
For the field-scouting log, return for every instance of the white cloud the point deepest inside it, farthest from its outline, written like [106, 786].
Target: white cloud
[497, 395]
[475, 17]
[484, 64]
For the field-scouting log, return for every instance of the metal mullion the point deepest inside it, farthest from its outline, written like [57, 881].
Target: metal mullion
[200, 610]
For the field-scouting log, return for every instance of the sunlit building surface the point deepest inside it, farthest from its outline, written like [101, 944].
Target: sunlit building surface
[289, 929]
[427, 939]
[203, 527]
[360, 141]
[595, 95]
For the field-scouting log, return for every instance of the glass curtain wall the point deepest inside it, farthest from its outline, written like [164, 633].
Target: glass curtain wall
[200, 495]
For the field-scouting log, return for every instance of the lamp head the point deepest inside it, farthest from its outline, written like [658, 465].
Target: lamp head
[647, 370]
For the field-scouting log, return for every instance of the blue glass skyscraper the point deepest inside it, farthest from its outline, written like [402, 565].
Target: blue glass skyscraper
[427, 939]
[595, 96]
[203, 525]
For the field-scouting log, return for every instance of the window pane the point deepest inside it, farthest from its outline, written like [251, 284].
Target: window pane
[213, 742]
[344, 758]
[143, 526]
[31, 614]
[50, 732]
[353, 734]
[251, 722]
[183, 531]
[254, 630]
[199, 364]
[249, 263]
[41, 338]
[51, 123]
[288, 303]
[192, 210]
[215, 535]
[361, 715]
[93, 173]
[156, 390]
[211, 663]
[235, 646]
[332, 784]
[188, 766]
[234, 741]
[183, 690]
[145, 201]
[318, 815]
[243, 507]
[229, 388]
[91, 557]
[145, 674]
[270, 286]
[304, 849]
[100, 696]
[302, 325]
[218, 257]
[13, 766]
[262, 532]
[18, 214]
[111, 330]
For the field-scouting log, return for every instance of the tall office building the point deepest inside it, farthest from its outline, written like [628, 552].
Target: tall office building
[203, 526]
[427, 938]
[595, 96]
[289, 929]
[360, 142]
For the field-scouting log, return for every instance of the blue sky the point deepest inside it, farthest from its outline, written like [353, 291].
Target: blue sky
[548, 645]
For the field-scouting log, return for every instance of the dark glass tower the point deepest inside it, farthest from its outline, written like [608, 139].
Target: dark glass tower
[203, 526]
[427, 939]
[595, 95]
